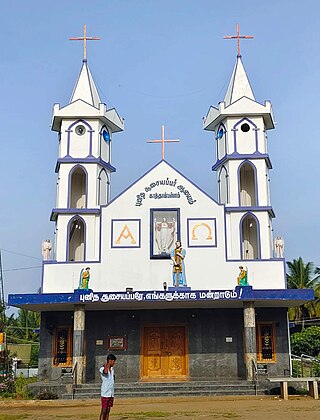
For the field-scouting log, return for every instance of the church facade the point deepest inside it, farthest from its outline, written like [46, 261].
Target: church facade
[178, 285]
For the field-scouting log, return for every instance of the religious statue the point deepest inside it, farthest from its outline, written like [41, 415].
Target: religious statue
[243, 277]
[84, 279]
[178, 270]
[279, 246]
[46, 249]
[164, 235]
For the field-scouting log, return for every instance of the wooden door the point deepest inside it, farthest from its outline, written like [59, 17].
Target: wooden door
[164, 352]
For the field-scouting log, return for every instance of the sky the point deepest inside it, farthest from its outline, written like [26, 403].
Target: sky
[158, 63]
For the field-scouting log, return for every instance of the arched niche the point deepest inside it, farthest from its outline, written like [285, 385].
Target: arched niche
[76, 240]
[250, 237]
[247, 185]
[78, 188]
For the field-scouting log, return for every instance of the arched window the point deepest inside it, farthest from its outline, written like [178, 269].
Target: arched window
[221, 138]
[103, 187]
[78, 187]
[249, 227]
[105, 144]
[223, 186]
[76, 235]
[247, 187]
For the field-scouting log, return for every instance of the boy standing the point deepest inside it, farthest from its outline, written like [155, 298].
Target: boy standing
[107, 386]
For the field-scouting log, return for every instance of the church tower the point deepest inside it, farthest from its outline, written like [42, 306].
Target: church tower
[240, 124]
[85, 128]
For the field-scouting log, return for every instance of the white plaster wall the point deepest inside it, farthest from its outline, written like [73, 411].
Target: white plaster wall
[79, 145]
[264, 221]
[64, 278]
[233, 235]
[64, 137]
[233, 182]
[96, 126]
[246, 142]
[261, 170]
[262, 139]
[105, 147]
[229, 123]
[223, 183]
[221, 145]
[206, 268]
[62, 199]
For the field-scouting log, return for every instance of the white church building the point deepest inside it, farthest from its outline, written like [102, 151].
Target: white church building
[151, 275]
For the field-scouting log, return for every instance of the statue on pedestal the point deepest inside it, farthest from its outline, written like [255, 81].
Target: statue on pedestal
[178, 270]
[243, 277]
[279, 246]
[84, 279]
[46, 249]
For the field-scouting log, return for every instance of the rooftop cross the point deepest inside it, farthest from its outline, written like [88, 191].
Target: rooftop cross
[84, 38]
[238, 37]
[163, 141]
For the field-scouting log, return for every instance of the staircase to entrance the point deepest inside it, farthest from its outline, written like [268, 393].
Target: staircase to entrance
[164, 389]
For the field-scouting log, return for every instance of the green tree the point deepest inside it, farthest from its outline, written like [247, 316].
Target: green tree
[23, 329]
[303, 276]
[306, 342]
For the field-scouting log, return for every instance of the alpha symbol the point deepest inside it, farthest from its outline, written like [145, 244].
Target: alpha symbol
[126, 233]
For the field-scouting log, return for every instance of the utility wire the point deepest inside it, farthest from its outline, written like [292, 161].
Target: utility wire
[18, 253]
[22, 268]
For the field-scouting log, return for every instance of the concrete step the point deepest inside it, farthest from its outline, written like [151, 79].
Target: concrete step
[140, 389]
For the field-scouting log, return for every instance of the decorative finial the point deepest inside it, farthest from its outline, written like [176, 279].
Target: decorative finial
[238, 37]
[163, 141]
[84, 38]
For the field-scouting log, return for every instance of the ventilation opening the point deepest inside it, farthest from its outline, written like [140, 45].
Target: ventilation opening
[245, 127]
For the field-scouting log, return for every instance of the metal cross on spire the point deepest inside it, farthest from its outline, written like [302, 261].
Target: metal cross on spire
[163, 141]
[85, 38]
[238, 37]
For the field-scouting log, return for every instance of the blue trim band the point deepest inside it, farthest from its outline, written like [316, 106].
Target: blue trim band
[239, 293]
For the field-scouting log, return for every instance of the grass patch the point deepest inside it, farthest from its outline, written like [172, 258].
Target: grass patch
[13, 416]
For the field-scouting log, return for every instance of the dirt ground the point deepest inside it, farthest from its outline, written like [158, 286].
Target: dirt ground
[197, 408]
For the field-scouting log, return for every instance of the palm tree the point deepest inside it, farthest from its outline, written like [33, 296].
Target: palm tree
[23, 328]
[301, 276]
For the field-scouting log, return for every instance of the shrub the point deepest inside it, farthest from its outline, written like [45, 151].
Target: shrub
[306, 342]
[47, 395]
[16, 388]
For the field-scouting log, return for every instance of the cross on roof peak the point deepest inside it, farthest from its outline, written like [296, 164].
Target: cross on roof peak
[162, 140]
[85, 38]
[238, 37]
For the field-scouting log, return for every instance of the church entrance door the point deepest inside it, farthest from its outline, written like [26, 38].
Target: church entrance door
[164, 354]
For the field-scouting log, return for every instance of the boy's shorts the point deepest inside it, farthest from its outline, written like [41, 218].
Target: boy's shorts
[106, 402]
